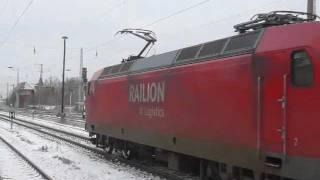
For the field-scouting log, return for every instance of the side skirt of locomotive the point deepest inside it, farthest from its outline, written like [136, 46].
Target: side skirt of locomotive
[223, 167]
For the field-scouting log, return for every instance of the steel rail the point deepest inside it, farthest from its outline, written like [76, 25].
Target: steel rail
[55, 122]
[107, 156]
[70, 118]
[33, 165]
[50, 128]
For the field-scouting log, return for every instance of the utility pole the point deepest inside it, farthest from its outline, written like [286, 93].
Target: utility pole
[63, 74]
[80, 95]
[70, 101]
[18, 76]
[7, 93]
[40, 83]
[311, 7]
[12, 87]
[41, 71]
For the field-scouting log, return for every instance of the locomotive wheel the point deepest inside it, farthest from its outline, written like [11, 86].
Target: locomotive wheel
[109, 148]
[108, 145]
[212, 172]
[97, 140]
[126, 154]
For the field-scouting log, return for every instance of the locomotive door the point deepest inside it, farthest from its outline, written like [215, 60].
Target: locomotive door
[272, 104]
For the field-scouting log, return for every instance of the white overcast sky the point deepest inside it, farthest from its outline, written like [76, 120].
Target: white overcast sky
[91, 24]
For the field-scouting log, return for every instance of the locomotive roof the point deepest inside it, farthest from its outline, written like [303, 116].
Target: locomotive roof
[230, 46]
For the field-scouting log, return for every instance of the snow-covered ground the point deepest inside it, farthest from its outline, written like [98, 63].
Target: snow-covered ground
[9, 159]
[64, 161]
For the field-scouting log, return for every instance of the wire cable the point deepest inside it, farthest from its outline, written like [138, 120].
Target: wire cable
[176, 13]
[4, 7]
[153, 23]
[16, 23]
[102, 15]
[115, 7]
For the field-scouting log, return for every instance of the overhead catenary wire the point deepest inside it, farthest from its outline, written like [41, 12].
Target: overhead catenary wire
[153, 23]
[176, 13]
[149, 24]
[16, 23]
[111, 41]
[232, 16]
[115, 7]
[32, 46]
[4, 7]
[103, 14]
[214, 21]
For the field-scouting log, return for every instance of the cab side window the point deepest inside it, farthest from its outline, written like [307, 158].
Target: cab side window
[302, 69]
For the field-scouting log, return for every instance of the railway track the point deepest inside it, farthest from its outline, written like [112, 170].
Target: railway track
[57, 133]
[58, 123]
[14, 155]
[74, 120]
[83, 142]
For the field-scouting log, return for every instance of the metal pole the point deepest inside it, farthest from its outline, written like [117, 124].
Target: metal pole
[7, 94]
[80, 80]
[70, 101]
[63, 74]
[41, 71]
[311, 6]
[11, 120]
[40, 83]
[18, 76]
[315, 3]
[39, 97]
[12, 87]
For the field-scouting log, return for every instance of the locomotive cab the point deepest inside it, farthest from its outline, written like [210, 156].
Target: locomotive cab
[288, 86]
[89, 100]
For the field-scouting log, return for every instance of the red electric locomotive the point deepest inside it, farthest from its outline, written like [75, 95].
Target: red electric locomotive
[244, 107]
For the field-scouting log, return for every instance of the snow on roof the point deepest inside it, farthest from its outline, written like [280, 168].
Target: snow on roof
[24, 86]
